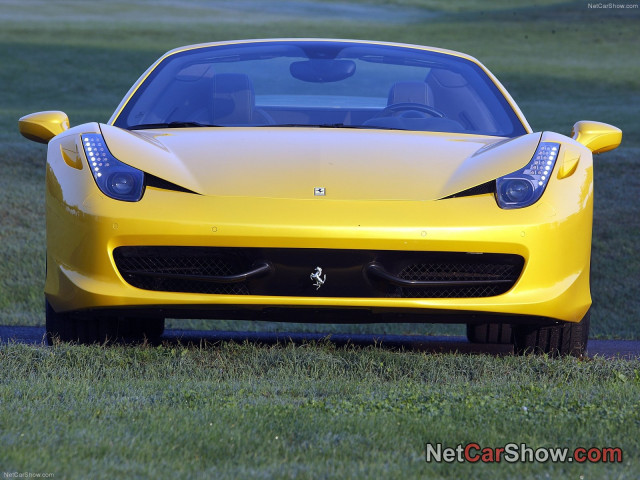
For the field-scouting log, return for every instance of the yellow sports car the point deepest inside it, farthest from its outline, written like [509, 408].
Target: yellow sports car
[319, 180]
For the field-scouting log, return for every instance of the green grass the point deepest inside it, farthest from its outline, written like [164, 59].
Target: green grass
[562, 61]
[313, 411]
[309, 411]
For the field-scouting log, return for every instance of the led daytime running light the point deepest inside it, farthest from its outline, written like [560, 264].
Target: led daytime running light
[526, 186]
[114, 178]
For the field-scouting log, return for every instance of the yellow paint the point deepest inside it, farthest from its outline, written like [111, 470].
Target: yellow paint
[553, 235]
[71, 157]
[259, 193]
[350, 164]
[596, 136]
[43, 126]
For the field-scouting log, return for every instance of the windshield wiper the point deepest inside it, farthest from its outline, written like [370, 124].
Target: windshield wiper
[148, 126]
[144, 126]
[331, 125]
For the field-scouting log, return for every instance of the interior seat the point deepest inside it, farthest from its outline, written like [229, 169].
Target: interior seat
[233, 100]
[410, 92]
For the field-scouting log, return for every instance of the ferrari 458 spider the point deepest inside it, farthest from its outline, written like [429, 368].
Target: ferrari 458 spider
[319, 180]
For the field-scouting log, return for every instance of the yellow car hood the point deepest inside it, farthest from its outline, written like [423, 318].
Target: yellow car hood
[292, 162]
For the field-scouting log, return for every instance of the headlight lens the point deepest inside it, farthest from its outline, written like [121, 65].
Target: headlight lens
[114, 178]
[517, 190]
[525, 187]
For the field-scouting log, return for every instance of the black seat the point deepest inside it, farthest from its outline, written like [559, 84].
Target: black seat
[410, 92]
[233, 99]
[404, 111]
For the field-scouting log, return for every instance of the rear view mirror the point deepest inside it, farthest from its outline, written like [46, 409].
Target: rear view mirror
[43, 126]
[596, 136]
[322, 70]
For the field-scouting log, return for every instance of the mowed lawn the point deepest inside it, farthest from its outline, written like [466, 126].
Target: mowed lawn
[563, 62]
[314, 411]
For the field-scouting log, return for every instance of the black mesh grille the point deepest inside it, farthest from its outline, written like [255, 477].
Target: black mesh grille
[157, 268]
[436, 271]
[151, 268]
[458, 271]
[452, 291]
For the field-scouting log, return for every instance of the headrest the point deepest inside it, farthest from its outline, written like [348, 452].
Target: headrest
[410, 92]
[233, 98]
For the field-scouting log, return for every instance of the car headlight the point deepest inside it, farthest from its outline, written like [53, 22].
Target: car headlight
[114, 178]
[524, 187]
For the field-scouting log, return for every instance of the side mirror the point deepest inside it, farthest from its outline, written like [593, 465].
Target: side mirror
[596, 136]
[43, 126]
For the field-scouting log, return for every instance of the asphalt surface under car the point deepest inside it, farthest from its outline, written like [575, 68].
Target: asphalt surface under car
[629, 349]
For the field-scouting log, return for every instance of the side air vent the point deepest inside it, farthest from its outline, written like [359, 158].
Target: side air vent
[489, 187]
[157, 182]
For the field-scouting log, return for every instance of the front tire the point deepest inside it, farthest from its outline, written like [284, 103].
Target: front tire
[563, 339]
[67, 327]
[489, 333]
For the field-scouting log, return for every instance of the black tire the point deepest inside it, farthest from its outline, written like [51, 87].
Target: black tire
[140, 329]
[489, 333]
[59, 326]
[563, 339]
[66, 327]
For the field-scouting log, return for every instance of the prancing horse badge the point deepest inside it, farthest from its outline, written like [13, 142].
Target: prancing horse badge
[318, 278]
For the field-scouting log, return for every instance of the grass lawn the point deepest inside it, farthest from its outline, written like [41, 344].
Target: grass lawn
[562, 61]
[310, 411]
[314, 411]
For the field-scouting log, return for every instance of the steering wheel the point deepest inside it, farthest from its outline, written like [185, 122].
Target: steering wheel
[398, 109]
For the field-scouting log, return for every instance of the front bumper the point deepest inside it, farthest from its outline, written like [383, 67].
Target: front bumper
[553, 236]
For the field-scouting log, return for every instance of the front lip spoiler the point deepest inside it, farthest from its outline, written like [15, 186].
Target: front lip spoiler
[315, 314]
[258, 270]
[376, 270]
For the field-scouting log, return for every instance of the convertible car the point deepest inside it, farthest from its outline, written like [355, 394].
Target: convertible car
[319, 180]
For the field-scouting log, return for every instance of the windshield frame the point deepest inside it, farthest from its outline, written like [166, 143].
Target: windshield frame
[409, 52]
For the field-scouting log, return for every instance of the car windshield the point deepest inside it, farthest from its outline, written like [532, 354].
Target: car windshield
[320, 84]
